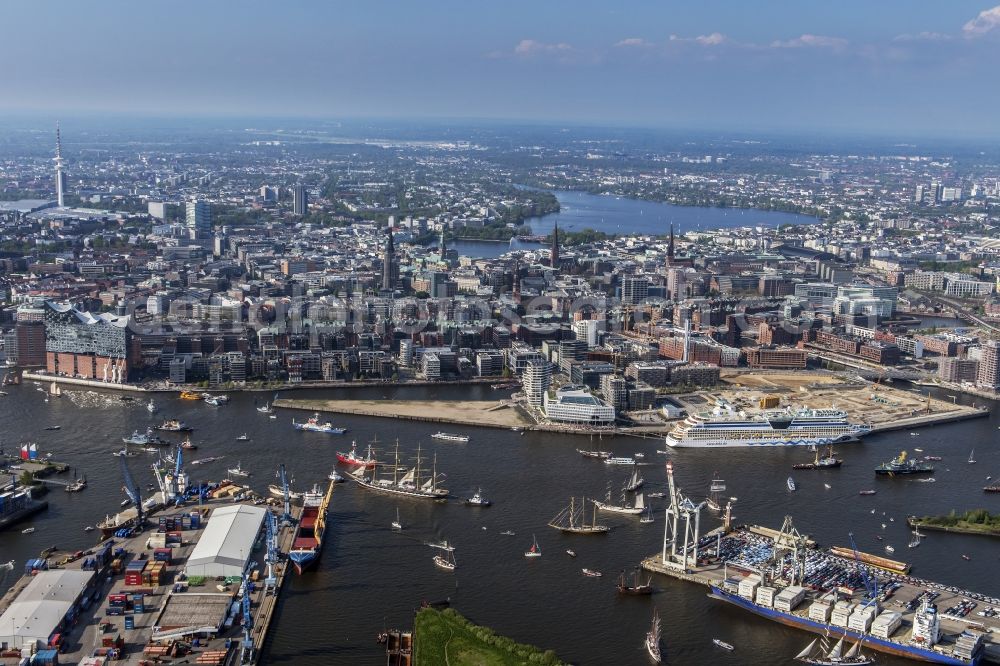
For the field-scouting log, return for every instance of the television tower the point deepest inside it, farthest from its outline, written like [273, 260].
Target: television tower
[59, 167]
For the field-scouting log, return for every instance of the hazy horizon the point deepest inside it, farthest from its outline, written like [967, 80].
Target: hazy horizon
[897, 68]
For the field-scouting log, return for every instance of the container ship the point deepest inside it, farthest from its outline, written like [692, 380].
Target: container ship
[725, 426]
[308, 542]
[859, 622]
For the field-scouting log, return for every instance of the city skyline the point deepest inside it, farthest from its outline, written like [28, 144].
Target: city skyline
[779, 66]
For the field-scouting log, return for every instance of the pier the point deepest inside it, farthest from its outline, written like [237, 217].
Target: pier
[737, 554]
[128, 632]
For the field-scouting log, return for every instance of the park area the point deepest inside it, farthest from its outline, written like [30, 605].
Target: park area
[445, 638]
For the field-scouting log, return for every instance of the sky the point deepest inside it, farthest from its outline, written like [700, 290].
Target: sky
[900, 67]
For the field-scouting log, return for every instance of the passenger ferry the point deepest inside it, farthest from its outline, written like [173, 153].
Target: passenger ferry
[725, 426]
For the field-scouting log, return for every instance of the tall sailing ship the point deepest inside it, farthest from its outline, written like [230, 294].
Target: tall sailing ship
[414, 483]
[653, 639]
[725, 426]
[623, 506]
[574, 519]
[308, 541]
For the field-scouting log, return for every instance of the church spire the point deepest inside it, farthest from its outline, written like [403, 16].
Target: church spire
[554, 252]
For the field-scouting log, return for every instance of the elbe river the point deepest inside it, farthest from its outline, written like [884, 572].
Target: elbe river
[370, 576]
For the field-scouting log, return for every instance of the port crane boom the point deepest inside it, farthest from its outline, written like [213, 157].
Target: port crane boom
[871, 586]
[132, 491]
[286, 516]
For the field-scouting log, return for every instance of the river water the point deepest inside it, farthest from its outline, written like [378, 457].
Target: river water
[618, 215]
[370, 576]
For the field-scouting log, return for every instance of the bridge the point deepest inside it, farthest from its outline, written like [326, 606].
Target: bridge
[864, 368]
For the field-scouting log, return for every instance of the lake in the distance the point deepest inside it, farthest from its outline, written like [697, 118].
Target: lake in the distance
[618, 215]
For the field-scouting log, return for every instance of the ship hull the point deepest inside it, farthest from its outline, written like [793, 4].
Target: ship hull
[399, 492]
[758, 443]
[304, 560]
[879, 644]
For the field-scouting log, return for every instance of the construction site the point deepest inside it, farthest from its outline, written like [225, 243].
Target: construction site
[883, 406]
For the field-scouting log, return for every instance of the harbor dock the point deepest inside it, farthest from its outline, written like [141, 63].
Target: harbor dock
[135, 601]
[725, 560]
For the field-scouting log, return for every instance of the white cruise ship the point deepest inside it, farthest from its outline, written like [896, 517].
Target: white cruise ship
[724, 426]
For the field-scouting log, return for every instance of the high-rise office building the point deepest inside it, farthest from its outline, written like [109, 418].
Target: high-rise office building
[988, 374]
[300, 200]
[536, 381]
[199, 219]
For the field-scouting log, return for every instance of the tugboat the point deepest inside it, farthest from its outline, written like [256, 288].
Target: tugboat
[478, 499]
[903, 465]
[829, 461]
[313, 424]
[653, 639]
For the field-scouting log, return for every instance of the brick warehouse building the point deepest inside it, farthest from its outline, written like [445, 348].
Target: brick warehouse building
[81, 344]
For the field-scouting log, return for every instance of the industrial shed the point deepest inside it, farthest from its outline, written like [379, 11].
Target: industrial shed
[227, 543]
[43, 607]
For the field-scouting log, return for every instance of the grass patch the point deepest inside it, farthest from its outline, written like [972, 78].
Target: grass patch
[977, 521]
[445, 638]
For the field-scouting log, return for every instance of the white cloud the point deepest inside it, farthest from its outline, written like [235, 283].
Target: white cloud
[810, 41]
[531, 47]
[636, 42]
[922, 37]
[713, 39]
[987, 20]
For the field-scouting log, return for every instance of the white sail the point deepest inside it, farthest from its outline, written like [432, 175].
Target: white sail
[854, 651]
[640, 502]
[408, 478]
[428, 484]
[836, 651]
[808, 651]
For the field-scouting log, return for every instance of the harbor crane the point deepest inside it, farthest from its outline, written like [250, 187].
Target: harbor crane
[681, 507]
[871, 586]
[271, 559]
[286, 516]
[247, 649]
[132, 491]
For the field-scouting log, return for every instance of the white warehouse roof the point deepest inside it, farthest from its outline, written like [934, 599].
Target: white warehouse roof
[41, 606]
[227, 542]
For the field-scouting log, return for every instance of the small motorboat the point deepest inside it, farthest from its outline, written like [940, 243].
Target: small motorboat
[88, 528]
[867, 492]
[966, 558]
[238, 470]
[243, 438]
[827, 486]
[791, 484]
[592, 573]
[29, 530]
[507, 533]
[889, 549]
[335, 477]
[571, 553]
[53, 427]
[722, 644]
